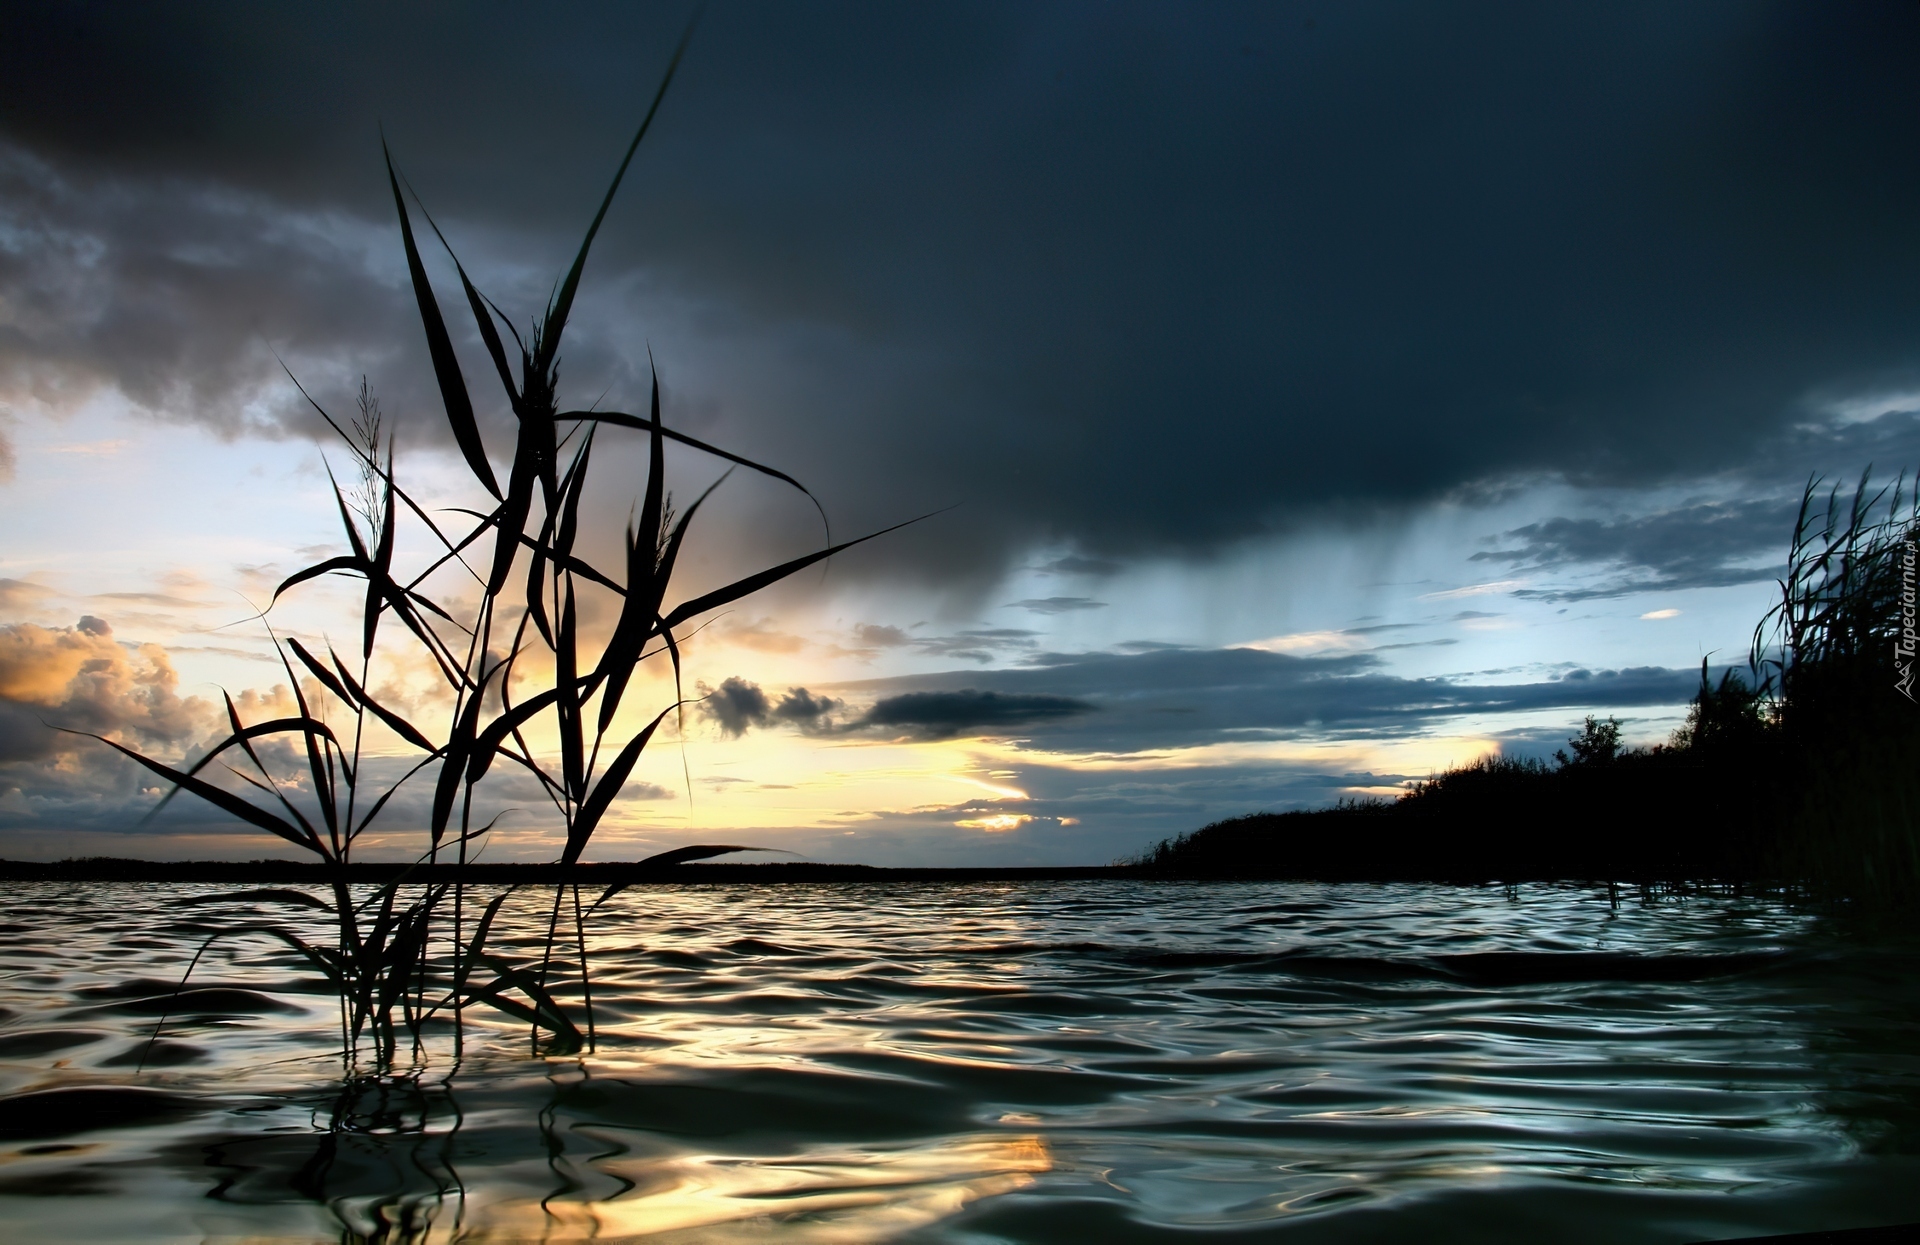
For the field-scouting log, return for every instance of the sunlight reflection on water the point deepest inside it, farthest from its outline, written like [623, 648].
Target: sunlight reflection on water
[974, 1063]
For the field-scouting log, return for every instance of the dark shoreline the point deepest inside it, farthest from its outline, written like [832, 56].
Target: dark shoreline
[109, 869]
[605, 873]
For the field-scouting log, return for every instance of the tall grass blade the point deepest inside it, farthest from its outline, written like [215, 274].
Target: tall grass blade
[623, 420]
[223, 800]
[320, 672]
[595, 806]
[361, 699]
[479, 305]
[562, 305]
[446, 366]
[754, 583]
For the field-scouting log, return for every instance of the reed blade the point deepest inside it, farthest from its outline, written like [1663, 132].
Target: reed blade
[346, 562]
[622, 420]
[320, 672]
[555, 322]
[754, 583]
[480, 306]
[488, 742]
[595, 806]
[224, 800]
[453, 766]
[446, 365]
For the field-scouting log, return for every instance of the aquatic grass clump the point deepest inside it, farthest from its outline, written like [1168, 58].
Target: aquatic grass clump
[398, 961]
[1834, 678]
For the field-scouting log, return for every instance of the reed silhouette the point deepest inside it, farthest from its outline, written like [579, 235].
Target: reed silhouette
[514, 656]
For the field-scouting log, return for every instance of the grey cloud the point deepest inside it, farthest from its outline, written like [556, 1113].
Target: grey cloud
[737, 705]
[1117, 285]
[59, 791]
[981, 644]
[941, 715]
[1703, 545]
[801, 708]
[1835, 449]
[176, 293]
[1078, 564]
[22, 594]
[94, 802]
[1714, 543]
[1057, 605]
[82, 679]
[1167, 698]
[1149, 646]
[734, 706]
[24, 734]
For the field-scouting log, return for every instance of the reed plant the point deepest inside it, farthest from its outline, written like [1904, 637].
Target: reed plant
[496, 614]
[1832, 679]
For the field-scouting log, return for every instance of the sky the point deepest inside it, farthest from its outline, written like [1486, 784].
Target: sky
[1295, 399]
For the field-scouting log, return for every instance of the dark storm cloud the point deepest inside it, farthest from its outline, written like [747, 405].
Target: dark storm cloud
[1057, 605]
[1118, 278]
[806, 711]
[1829, 449]
[1170, 697]
[737, 705]
[1718, 543]
[1705, 545]
[942, 715]
[1078, 564]
[165, 291]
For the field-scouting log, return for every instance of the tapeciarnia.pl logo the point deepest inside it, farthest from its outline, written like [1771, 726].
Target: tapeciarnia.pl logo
[1903, 648]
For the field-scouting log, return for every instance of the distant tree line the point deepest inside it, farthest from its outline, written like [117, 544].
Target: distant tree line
[1803, 774]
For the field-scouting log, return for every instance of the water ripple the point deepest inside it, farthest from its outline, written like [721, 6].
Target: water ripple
[986, 1063]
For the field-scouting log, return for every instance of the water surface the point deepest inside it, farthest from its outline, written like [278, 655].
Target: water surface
[1107, 1061]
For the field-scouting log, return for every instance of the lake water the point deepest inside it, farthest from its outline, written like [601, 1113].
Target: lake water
[1097, 1061]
